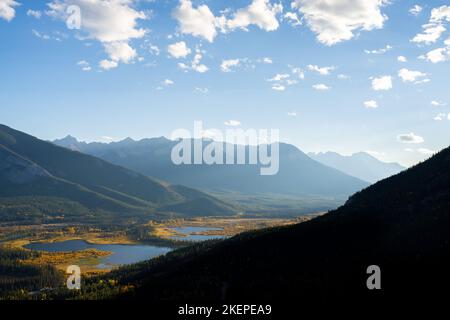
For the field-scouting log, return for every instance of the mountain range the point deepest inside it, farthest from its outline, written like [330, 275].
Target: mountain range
[38, 178]
[306, 182]
[400, 225]
[361, 165]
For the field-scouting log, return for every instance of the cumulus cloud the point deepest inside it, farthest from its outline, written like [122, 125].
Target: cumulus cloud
[278, 87]
[382, 83]
[379, 51]
[260, 13]
[280, 77]
[114, 23]
[410, 138]
[107, 64]
[179, 50]
[321, 87]
[438, 55]
[168, 82]
[227, 65]
[120, 51]
[442, 116]
[371, 104]
[196, 64]
[335, 21]
[435, 103]
[7, 11]
[106, 21]
[34, 13]
[415, 10]
[434, 29]
[85, 66]
[199, 22]
[402, 59]
[292, 18]
[232, 123]
[321, 70]
[411, 76]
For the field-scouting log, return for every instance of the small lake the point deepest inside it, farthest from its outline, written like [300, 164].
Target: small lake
[121, 254]
[190, 235]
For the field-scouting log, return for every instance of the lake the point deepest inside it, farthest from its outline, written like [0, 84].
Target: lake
[190, 235]
[121, 254]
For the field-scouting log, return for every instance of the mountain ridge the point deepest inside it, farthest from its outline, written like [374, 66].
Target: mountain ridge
[95, 183]
[361, 165]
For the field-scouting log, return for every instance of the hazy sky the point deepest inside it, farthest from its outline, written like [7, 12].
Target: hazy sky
[349, 76]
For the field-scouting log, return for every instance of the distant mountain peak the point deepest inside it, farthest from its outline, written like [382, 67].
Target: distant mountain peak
[362, 165]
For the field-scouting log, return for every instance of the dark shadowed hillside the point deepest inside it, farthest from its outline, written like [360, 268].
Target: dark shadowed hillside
[400, 224]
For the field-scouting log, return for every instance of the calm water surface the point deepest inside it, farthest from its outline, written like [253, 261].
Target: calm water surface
[121, 254]
[188, 231]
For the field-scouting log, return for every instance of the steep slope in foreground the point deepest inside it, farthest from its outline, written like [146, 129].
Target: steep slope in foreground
[400, 224]
[361, 165]
[32, 167]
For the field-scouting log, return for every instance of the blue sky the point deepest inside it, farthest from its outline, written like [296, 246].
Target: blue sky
[360, 75]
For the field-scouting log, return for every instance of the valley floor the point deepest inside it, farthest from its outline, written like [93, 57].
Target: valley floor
[168, 233]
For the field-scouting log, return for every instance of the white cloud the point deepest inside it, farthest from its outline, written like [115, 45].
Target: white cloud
[321, 87]
[114, 23]
[379, 51]
[232, 123]
[196, 64]
[298, 72]
[382, 83]
[260, 13]
[120, 51]
[435, 103]
[266, 60]
[411, 76]
[343, 76]
[202, 90]
[292, 114]
[415, 10]
[278, 87]
[402, 59]
[279, 77]
[199, 22]
[410, 138]
[438, 55]
[371, 104]
[168, 82]
[85, 66]
[179, 50]
[34, 13]
[40, 35]
[321, 70]
[442, 116]
[154, 49]
[433, 30]
[7, 11]
[337, 20]
[292, 19]
[107, 64]
[227, 65]
[431, 34]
